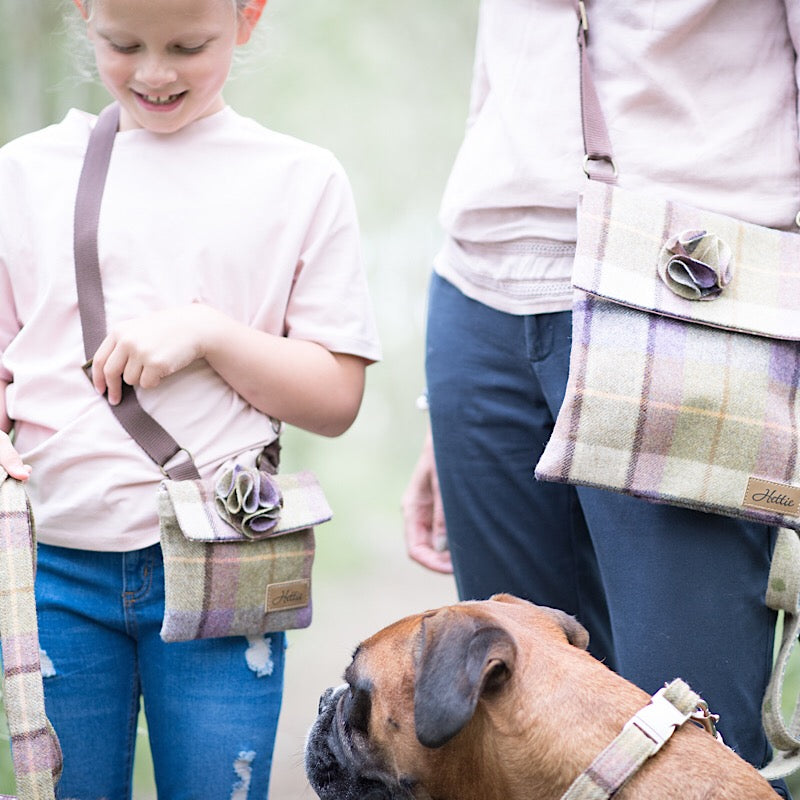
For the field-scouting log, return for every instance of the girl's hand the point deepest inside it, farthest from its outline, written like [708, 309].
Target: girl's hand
[297, 381]
[11, 461]
[144, 351]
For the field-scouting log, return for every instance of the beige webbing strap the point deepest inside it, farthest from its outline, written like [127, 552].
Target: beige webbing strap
[783, 594]
[34, 745]
[641, 737]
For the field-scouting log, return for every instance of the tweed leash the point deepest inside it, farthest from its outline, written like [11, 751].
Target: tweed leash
[783, 594]
[641, 737]
[34, 745]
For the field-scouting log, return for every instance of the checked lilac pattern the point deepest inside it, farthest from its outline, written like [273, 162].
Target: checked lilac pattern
[675, 400]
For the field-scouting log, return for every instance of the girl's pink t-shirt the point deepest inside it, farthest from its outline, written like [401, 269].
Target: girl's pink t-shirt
[225, 212]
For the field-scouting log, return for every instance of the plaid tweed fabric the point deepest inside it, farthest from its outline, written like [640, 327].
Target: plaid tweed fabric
[783, 594]
[687, 402]
[221, 583]
[34, 746]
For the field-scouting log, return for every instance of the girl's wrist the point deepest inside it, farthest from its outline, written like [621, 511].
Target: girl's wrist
[209, 324]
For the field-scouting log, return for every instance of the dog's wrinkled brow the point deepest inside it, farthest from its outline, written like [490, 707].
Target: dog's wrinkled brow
[356, 683]
[357, 703]
[348, 673]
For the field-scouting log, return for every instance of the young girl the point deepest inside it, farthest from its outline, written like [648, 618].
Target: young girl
[234, 295]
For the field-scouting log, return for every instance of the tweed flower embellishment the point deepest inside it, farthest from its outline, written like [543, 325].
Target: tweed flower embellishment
[696, 265]
[248, 499]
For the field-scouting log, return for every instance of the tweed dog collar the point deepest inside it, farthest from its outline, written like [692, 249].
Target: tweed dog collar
[642, 736]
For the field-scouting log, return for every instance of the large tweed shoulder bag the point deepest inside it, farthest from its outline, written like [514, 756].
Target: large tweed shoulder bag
[238, 549]
[685, 359]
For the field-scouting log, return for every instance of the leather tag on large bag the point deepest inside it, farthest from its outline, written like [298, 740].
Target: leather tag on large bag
[778, 498]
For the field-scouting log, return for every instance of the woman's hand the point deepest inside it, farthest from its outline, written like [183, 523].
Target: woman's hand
[423, 517]
[11, 461]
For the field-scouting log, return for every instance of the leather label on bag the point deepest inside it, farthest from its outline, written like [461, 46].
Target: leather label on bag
[779, 498]
[288, 595]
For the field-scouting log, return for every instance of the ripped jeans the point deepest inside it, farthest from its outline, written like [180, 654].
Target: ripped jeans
[212, 705]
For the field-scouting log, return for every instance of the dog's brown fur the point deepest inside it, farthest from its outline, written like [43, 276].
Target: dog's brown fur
[498, 700]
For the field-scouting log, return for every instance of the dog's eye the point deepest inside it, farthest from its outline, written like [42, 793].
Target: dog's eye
[359, 705]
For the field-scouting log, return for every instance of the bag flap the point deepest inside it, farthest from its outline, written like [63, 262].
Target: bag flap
[192, 502]
[621, 239]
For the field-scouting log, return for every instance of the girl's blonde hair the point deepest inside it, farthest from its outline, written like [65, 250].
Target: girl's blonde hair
[240, 5]
[83, 54]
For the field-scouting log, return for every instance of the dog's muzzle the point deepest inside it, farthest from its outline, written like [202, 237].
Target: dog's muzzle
[335, 768]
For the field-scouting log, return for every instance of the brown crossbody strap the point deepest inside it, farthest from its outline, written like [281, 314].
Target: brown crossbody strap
[143, 429]
[598, 159]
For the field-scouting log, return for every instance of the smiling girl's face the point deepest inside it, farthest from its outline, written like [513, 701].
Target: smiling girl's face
[165, 61]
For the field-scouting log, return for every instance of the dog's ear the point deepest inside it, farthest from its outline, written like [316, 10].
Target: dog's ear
[575, 632]
[459, 658]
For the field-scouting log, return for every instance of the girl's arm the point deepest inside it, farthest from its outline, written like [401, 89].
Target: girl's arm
[293, 380]
[9, 458]
[299, 382]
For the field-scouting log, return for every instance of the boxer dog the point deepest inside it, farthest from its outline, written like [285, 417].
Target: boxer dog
[496, 700]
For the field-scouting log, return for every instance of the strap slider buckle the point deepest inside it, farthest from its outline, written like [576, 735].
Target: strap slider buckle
[602, 175]
[173, 461]
[582, 14]
[657, 720]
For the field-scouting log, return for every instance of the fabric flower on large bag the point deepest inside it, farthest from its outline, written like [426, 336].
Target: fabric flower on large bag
[248, 499]
[696, 265]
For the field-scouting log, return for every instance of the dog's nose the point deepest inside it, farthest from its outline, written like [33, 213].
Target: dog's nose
[329, 697]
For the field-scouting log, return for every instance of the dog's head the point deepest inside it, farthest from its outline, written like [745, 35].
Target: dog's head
[419, 694]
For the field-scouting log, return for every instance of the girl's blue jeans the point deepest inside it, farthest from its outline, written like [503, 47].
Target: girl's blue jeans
[212, 705]
[664, 592]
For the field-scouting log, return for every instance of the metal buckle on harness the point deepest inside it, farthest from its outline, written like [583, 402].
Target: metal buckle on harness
[706, 720]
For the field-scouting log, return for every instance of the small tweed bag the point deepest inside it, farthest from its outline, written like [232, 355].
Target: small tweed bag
[685, 358]
[35, 750]
[239, 549]
[224, 578]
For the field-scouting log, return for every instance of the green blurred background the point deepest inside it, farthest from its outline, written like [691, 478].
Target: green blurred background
[385, 87]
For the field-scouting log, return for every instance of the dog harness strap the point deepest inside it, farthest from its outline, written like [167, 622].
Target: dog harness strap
[641, 737]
